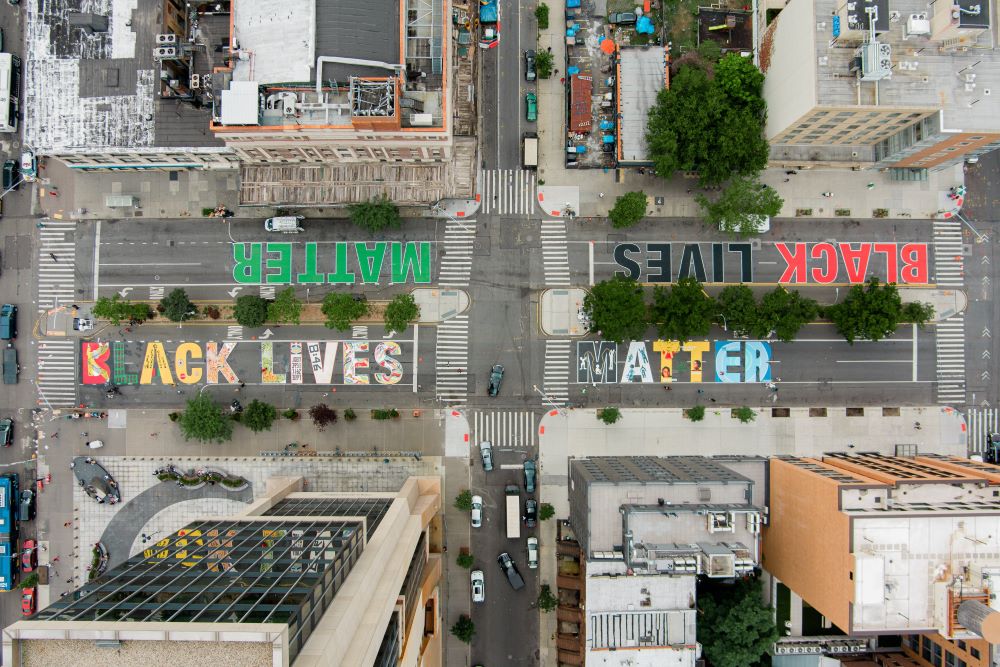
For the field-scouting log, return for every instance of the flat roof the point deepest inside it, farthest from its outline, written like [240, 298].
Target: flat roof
[642, 77]
[363, 29]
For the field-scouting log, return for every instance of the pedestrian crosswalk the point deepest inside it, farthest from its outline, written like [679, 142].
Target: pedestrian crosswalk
[452, 360]
[456, 254]
[950, 347]
[56, 382]
[555, 380]
[507, 191]
[56, 264]
[555, 252]
[981, 422]
[949, 268]
[506, 429]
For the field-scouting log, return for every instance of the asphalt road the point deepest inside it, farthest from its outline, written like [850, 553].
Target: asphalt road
[503, 87]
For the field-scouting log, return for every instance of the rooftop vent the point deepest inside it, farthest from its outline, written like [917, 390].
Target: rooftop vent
[917, 24]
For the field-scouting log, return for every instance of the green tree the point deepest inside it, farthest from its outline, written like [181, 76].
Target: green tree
[543, 64]
[744, 414]
[609, 415]
[546, 600]
[871, 311]
[784, 312]
[629, 209]
[463, 501]
[402, 310]
[683, 311]
[616, 309]
[918, 313]
[546, 511]
[375, 214]
[542, 15]
[322, 415]
[259, 416]
[741, 207]
[250, 310]
[285, 307]
[177, 306]
[738, 309]
[711, 126]
[735, 628]
[203, 420]
[116, 310]
[342, 310]
[697, 413]
[465, 560]
[464, 629]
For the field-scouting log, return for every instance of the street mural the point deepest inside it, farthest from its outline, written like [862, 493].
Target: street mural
[733, 361]
[327, 362]
[332, 263]
[799, 263]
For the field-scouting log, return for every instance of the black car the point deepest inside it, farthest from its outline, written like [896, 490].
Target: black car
[6, 431]
[496, 378]
[509, 569]
[26, 510]
[10, 178]
[529, 65]
[530, 512]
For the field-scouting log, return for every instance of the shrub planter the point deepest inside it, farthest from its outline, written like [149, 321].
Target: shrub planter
[803, 212]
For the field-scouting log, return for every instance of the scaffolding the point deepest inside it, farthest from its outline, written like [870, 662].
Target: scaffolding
[424, 30]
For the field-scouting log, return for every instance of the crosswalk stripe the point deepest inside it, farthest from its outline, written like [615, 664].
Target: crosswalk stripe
[981, 422]
[451, 359]
[949, 267]
[555, 379]
[950, 360]
[507, 191]
[555, 253]
[56, 278]
[456, 258]
[506, 429]
[56, 382]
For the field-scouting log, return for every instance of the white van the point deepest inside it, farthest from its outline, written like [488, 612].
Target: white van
[286, 224]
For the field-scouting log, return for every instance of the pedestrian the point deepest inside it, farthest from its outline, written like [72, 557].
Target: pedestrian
[850, 446]
[712, 399]
[68, 523]
[917, 426]
[55, 560]
[601, 195]
[69, 581]
[787, 179]
[550, 49]
[701, 391]
[871, 186]
[64, 594]
[53, 256]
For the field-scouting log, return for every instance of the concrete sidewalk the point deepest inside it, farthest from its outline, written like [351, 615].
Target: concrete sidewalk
[455, 587]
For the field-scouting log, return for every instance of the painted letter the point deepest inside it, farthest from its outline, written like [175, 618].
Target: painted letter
[914, 263]
[830, 254]
[247, 268]
[370, 261]
[283, 263]
[121, 377]
[391, 364]
[891, 261]
[95, 363]
[216, 362]
[667, 350]
[637, 363]
[746, 260]
[661, 262]
[295, 362]
[340, 273]
[310, 276]
[353, 363]
[410, 261]
[155, 362]
[596, 361]
[856, 261]
[795, 263]
[185, 373]
[756, 361]
[697, 348]
[322, 364]
[633, 271]
[727, 356]
[267, 374]
[692, 256]
[718, 264]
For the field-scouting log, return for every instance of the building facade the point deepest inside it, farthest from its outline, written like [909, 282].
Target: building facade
[298, 579]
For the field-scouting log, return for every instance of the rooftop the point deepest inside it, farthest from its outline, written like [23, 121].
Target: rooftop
[655, 470]
[642, 73]
[94, 85]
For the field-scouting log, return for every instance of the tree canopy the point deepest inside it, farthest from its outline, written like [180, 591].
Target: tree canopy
[616, 309]
[177, 306]
[250, 310]
[683, 311]
[738, 309]
[116, 309]
[741, 206]
[402, 310]
[464, 629]
[203, 420]
[784, 312]
[735, 628]
[342, 310]
[870, 310]
[375, 214]
[711, 125]
[285, 307]
[629, 209]
[259, 416]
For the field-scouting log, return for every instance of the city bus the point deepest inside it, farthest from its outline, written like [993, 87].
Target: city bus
[10, 91]
[8, 564]
[8, 507]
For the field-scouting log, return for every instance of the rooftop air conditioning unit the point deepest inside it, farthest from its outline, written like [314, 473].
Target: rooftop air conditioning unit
[165, 52]
[168, 38]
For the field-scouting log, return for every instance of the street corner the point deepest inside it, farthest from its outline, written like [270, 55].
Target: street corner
[457, 434]
[561, 312]
[559, 201]
[66, 321]
[437, 305]
[946, 302]
[456, 208]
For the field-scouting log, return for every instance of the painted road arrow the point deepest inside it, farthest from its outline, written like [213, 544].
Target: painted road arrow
[233, 292]
[986, 354]
[267, 334]
[986, 280]
[985, 403]
[986, 375]
[986, 260]
[986, 333]
[124, 291]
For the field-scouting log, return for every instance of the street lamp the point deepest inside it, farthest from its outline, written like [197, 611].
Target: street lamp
[548, 400]
[724, 324]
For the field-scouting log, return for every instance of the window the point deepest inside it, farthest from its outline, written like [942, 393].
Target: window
[975, 652]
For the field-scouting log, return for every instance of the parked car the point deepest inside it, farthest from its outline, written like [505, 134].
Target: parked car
[26, 508]
[95, 444]
[529, 65]
[622, 17]
[29, 165]
[531, 112]
[29, 556]
[11, 368]
[478, 586]
[27, 601]
[486, 451]
[10, 176]
[533, 553]
[6, 431]
[496, 379]
[529, 476]
[8, 321]
[509, 568]
[477, 511]
[530, 512]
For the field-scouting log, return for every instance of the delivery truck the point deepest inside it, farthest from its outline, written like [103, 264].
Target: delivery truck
[513, 493]
[530, 150]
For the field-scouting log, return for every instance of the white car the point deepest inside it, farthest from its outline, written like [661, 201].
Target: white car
[533, 553]
[95, 444]
[478, 586]
[477, 511]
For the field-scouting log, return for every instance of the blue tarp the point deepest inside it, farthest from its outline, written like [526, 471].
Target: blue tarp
[644, 25]
[572, 4]
[572, 69]
[607, 125]
[488, 11]
[608, 138]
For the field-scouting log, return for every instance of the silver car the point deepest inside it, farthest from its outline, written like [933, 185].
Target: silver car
[478, 586]
[477, 511]
[486, 450]
[533, 553]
